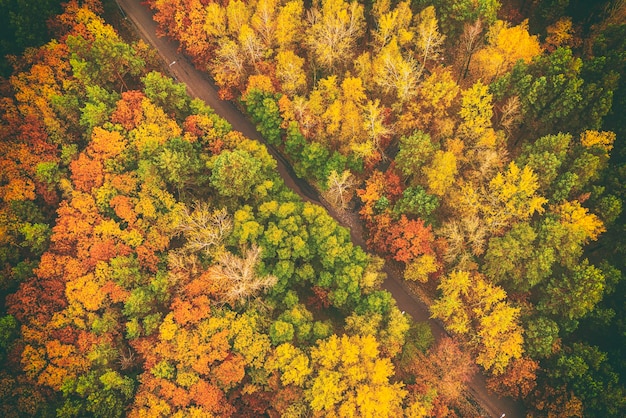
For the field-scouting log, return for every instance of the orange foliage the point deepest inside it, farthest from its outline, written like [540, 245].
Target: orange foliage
[231, 371]
[517, 381]
[124, 207]
[129, 112]
[207, 396]
[87, 173]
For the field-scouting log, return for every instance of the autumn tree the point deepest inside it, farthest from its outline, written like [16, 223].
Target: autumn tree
[473, 307]
[446, 368]
[337, 387]
[506, 45]
[334, 28]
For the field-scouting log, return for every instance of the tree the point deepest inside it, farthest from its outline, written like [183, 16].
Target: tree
[288, 21]
[440, 173]
[517, 381]
[575, 293]
[236, 278]
[235, 173]
[471, 306]
[429, 40]
[395, 73]
[550, 89]
[468, 45]
[340, 188]
[512, 196]
[415, 151]
[350, 378]
[291, 362]
[431, 110]
[204, 229]
[518, 258]
[476, 111]
[334, 28]
[506, 46]
[263, 21]
[289, 70]
[446, 368]
[99, 56]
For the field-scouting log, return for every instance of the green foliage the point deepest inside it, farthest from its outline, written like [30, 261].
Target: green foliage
[235, 173]
[98, 107]
[415, 152]
[574, 294]
[263, 108]
[417, 202]
[164, 92]
[8, 332]
[281, 332]
[552, 92]
[585, 371]
[97, 393]
[541, 337]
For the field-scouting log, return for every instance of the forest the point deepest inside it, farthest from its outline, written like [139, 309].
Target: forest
[154, 264]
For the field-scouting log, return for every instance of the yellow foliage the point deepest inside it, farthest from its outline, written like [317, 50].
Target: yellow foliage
[476, 111]
[506, 46]
[441, 172]
[421, 267]
[215, 20]
[259, 82]
[350, 379]
[86, 291]
[289, 70]
[470, 305]
[585, 224]
[512, 195]
[289, 24]
[168, 328]
[602, 140]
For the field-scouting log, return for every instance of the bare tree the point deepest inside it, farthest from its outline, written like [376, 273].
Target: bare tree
[204, 229]
[340, 188]
[469, 43]
[237, 277]
[511, 112]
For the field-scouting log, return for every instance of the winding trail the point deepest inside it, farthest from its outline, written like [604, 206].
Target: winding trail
[201, 86]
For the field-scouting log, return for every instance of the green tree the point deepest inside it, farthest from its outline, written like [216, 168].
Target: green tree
[235, 173]
[550, 89]
[575, 293]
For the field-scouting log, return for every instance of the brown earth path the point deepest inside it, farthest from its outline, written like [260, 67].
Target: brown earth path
[201, 86]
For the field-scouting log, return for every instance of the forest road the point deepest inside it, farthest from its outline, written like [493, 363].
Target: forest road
[201, 86]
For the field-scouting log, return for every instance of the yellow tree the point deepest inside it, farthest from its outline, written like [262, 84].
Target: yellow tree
[506, 45]
[430, 110]
[289, 23]
[429, 41]
[289, 70]
[472, 307]
[350, 379]
[476, 112]
[263, 21]
[393, 24]
[511, 197]
[441, 172]
[394, 73]
[237, 15]
[335, 27]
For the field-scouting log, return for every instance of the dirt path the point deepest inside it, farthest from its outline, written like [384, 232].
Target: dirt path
[199, 85]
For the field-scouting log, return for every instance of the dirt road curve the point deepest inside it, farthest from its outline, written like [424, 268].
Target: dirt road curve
[199, 85]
